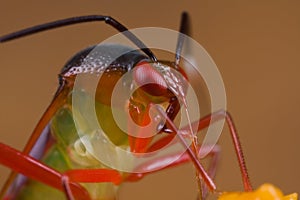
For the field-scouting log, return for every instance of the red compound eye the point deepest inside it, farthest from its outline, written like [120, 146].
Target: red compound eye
[149, 79]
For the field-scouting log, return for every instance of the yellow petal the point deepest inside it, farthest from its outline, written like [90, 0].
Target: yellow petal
[293, 196]
[264, 192]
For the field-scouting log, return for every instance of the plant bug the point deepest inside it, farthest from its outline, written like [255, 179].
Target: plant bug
[62, 152]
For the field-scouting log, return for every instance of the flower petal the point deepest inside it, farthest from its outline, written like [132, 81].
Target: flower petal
[264, 192]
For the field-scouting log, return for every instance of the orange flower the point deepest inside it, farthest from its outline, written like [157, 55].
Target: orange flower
[264, 192]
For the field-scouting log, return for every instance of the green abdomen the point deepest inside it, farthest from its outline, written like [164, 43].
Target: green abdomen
[64, 155]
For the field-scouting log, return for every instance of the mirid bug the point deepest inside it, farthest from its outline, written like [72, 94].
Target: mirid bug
[62, 153]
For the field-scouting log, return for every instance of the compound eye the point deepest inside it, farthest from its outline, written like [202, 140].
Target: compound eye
[149, 79]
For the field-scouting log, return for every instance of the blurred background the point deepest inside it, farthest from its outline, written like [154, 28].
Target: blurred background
[255, 44]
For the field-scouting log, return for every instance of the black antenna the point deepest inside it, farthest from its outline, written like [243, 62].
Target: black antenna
[81, 19]
[184, 30]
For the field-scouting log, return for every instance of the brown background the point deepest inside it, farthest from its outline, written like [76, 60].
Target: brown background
[255, 44]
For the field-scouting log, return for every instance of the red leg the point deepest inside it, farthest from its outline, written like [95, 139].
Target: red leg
[67, 181]
[88, 176]
[215, 157]
[68, 191]
[33, 169]
[94, 176]
[204, 123]
[156, 165]
[194, 157]
[216, 116]
[214, 153]
[211, 118]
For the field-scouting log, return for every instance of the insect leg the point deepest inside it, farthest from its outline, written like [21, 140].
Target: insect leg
[36, 170]
[157, 164]
[88, 176]
[194, 158]
[204, 123]
[212, 168]
[216, 116]
[66, 185]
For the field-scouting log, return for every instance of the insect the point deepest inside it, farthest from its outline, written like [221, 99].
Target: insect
[59, 158]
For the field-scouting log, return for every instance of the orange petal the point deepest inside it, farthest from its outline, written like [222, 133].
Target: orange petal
[264, 192]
